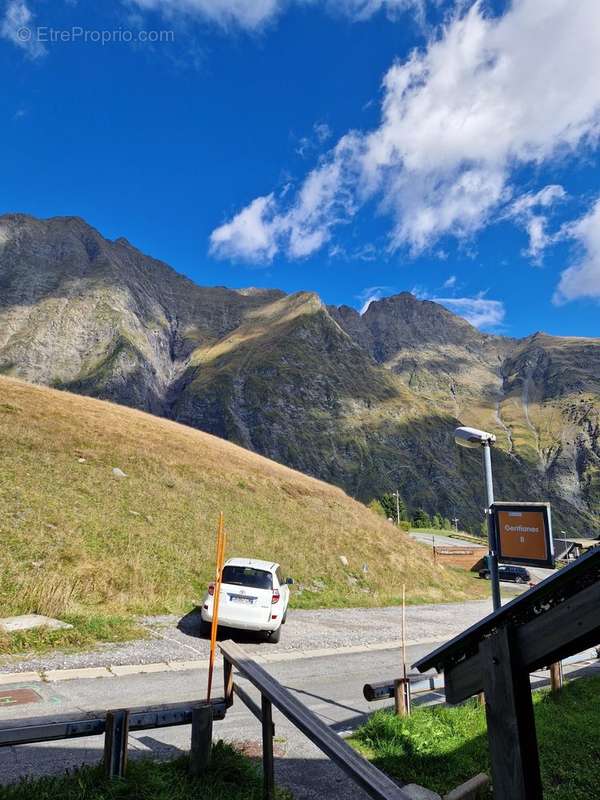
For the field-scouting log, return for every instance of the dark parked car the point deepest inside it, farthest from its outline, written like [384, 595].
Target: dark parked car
[507, 573]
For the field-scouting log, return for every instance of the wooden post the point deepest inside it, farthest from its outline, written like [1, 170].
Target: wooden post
[228, 681]
[115, 743]
[556, 676]
[407, 697]
[511, 724]
[201, 747]
[267, 744]
[400, 705]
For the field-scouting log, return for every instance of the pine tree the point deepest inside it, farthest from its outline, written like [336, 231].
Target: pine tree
[421, 519]
[388, 503]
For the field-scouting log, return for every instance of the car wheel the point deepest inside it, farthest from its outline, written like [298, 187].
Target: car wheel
[519, 580]
[283, 619]
[275, 636]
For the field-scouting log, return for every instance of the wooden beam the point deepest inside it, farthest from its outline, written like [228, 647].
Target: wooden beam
[400, 698]
[564, 630]
[563, 583]
[267, 746]
[228, 682]
[115, 743]
[201, 746]
[511, 725]
[556, 676]
[365, 774]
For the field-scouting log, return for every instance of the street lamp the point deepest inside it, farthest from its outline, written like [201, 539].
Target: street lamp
[564, 535]
[473, 438]
[396, 494]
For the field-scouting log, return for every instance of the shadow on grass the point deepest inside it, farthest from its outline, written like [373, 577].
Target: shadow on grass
[163, 775]
[440, 747]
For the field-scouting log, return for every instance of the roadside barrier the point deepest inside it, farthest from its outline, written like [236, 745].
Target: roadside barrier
[362, 772]
[417, 684]
[115, 725]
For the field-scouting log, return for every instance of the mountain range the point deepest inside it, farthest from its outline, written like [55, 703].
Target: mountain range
[367, 401]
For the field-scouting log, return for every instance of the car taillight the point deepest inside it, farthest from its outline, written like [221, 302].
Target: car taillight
[276, 596]
[211, 589]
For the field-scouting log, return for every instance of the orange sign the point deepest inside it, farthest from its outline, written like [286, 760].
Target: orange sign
[524, 533]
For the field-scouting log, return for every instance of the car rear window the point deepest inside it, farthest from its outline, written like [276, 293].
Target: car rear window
[247, 576]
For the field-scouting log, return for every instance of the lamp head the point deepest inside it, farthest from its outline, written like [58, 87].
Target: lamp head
[472, 437]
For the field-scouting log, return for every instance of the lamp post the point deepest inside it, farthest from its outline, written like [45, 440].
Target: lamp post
[564, 535]
[396, 494]
[473, 438]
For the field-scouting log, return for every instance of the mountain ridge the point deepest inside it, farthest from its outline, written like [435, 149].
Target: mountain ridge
[368, 402]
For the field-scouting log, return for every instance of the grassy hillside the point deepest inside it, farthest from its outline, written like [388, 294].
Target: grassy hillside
[79, 540]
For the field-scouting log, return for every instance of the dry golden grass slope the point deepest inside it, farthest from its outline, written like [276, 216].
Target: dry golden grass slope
[78, 540]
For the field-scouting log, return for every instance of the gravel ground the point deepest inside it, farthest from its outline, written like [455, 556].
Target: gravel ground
[173, 639]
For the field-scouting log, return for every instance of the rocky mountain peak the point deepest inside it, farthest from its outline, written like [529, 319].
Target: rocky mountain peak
[365, 401]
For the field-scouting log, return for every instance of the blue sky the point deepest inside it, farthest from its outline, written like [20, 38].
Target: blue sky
[351, 147]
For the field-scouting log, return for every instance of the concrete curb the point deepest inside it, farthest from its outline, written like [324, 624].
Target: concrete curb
[124, 670]
[7, 678]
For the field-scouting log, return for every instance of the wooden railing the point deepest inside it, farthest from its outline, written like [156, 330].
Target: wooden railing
[553, 621]
[362, 772]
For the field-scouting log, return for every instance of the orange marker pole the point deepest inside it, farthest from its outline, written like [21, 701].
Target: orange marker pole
[216, 598]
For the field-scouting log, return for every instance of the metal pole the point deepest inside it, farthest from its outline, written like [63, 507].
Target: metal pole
[493, 554]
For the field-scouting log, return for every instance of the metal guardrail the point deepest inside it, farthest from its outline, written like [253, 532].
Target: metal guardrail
[92, 723]
[115, 725]
[362, 772]
[385, 690]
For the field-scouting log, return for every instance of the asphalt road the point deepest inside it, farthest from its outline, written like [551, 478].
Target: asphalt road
[330, 685]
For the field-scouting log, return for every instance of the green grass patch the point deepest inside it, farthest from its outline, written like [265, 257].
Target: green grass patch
[86, 632]
[78, 540]
[440, 747]
[231, 776]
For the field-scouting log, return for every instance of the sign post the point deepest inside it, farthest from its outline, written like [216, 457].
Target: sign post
[524, 533]
[216, 598]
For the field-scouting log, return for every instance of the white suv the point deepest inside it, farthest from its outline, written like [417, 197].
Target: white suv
[254, 597]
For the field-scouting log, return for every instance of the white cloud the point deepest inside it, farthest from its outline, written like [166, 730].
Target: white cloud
[450, 282]
[479, 311]
[250, 235]
[321, 132]
[371, 294]
[582, 279]
[17, 27]
[364, 9]
[260, 231]
[249, 14]
[253, 14]
[458, 120]
[525, 210]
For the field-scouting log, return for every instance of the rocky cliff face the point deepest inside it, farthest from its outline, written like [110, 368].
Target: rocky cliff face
[368, 402]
